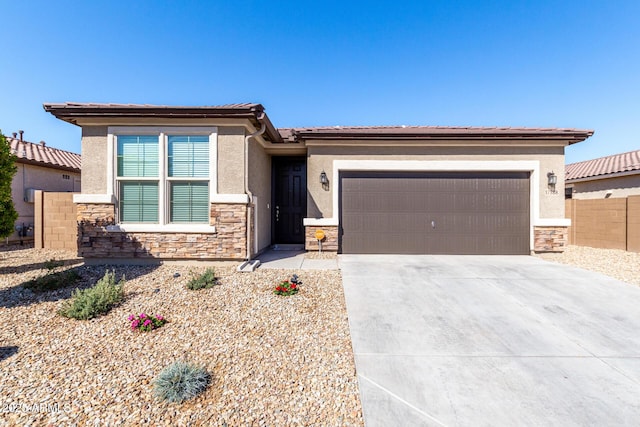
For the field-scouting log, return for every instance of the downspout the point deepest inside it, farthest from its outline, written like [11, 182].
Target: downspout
[246, 180]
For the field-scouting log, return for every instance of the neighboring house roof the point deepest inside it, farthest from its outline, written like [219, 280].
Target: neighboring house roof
[72, 112]
[435, 132]
[604, 167]
[43, 155]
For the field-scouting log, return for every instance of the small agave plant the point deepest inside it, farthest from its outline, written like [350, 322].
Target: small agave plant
[180, 381]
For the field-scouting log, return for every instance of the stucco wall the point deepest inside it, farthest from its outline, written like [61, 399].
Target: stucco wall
[40, 178]
[230, 160]
[260, 186]
[620, 187]
[321, 158]
[94, 160]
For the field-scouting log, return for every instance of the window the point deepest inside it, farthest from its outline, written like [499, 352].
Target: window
[188, 158]
[568, 192]
[139, 179]
[164, 177]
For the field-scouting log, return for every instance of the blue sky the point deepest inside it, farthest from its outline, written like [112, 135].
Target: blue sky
[451, 63]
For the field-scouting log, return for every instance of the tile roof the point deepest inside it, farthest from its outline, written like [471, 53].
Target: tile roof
[43, 155]
[617, 163]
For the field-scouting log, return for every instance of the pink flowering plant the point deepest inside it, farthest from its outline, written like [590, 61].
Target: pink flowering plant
[145, 322]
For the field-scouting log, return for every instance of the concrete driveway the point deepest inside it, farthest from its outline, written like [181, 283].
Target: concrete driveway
[491, 340]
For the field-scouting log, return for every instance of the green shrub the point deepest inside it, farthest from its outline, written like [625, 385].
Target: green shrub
[52, 264]
[180, 381]
[205, 280]
[52, 281]
[92, 302]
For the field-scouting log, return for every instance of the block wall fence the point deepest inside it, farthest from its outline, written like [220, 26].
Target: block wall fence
[605, 223]
[55, 225]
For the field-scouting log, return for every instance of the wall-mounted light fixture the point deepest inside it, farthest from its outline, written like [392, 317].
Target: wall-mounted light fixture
[323, 178]
[552, 180]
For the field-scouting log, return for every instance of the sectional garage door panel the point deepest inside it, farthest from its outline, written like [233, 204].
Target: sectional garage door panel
[434, 213]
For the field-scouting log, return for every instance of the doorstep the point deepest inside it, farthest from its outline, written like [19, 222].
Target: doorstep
[294, 260]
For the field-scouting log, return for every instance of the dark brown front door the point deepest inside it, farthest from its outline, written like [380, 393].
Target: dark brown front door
[289, 199]
[435, 212]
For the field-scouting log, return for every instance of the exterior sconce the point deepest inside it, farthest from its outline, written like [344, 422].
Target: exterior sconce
[323, 178]
[552, 180]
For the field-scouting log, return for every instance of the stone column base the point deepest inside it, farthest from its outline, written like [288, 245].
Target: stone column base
[330, 242]
[549, 239]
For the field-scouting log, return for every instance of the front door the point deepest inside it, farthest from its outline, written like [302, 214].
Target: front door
[289, 199]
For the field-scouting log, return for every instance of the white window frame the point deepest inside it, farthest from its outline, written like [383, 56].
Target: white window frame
[164, 181]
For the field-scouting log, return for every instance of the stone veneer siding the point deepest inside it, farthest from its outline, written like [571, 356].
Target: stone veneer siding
[549, 239]
[227, 243]
[330, 242]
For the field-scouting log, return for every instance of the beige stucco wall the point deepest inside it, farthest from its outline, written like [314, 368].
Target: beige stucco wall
[231, 160]
[40, 178]
[622, 186]
[260, 186]
[321, 158]
[94, 160]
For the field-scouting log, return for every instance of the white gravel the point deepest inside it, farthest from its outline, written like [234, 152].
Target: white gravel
[275, 361]
[615, 263]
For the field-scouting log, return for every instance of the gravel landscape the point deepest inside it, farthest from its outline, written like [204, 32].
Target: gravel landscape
[273, 360]
[615, 263]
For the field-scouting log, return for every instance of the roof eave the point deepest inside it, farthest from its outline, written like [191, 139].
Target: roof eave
[569, 138]
[47, 165]
[603, 176]
[75, 113]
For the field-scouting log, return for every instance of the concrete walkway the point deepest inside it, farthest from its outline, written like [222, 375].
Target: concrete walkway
[294, 259]
[500, 341]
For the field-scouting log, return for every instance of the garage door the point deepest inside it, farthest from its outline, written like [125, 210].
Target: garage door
[434, 213]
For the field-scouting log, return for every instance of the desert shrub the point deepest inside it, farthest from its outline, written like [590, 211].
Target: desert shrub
[52, 281]
[92, 302]
[52, 264]
[205, 280]
[180, 381]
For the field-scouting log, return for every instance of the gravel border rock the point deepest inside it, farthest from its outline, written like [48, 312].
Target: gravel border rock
[615, 263]
[274, 360]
